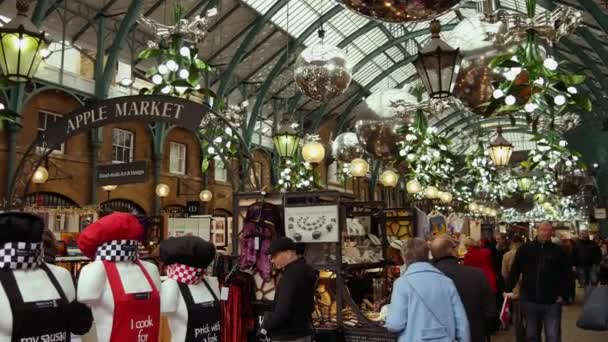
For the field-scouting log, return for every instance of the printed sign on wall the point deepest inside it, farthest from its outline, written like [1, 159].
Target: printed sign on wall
[312, 224]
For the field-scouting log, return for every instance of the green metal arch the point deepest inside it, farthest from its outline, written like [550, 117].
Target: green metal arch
[279, 65]
[242, 49]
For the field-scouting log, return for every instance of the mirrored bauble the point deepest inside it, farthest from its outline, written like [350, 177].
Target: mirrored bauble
[474, 84]
[510, 201]
[346, 147]
[400, 11]
[380, 137]
[525, 204]
[322, 72]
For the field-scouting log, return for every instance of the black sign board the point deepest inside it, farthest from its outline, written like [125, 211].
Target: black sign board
[172, 110]
[193, 207]
[125, 173]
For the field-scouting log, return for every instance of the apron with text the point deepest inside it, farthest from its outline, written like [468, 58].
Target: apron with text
[41, 321]
[136, 315]
[203, 318]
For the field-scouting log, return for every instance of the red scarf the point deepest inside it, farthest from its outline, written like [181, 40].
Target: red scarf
[185, 274]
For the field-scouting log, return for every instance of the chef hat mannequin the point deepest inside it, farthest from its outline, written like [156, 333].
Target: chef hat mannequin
[189, 298]
[27, 283]
[121, 290]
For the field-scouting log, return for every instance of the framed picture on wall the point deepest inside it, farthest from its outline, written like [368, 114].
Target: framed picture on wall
[219, 231]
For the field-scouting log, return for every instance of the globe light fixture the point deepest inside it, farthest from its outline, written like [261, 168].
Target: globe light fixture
[500, 150]
[313, 152]
[493, 212]
[286, 140]
[22, 46]
[487, 211]
[524, 183]
[205, 196]
[438, 64]
[445, 197]
[473, 207]
[413, 186]
[162, 190]
[41, 175]
[359, 167]
[109, 188]
[389, 178]
[431, 192]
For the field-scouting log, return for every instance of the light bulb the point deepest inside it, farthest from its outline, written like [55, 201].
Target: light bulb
[157, 79]
[559, 100]
[510, 100]
[540, 81]
[162, 69]
[184, 73]
[550, 64]
[125, 82]
[498, 94]
[205, 196]
[572, 90]
[530, 107]
[431, 192]
[166, 89]
[413, 186]
[184, 51]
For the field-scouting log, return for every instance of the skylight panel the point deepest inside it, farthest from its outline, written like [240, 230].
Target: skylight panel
[395, 53]
[367, 73]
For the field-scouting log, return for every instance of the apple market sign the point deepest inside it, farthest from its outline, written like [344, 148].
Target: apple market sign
[172, 110]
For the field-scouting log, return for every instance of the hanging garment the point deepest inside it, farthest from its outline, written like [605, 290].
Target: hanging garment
[237, 311]
[46, 320]
[455, 223]
[203, 318]
[438, 224]
[262, 224]
[136, 315]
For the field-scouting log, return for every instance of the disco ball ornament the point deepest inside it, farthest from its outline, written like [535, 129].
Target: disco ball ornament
[400, 11]
[380, 121]
[322, 72]
[511, 201]
[525, 204]
[346, 147]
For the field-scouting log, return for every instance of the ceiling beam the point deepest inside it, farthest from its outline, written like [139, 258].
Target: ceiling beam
[596, 12]
[258, 26]
[91, 21]
[276, 70]
[223, 17]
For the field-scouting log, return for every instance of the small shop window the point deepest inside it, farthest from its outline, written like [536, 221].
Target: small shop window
[220, 173]
[122, 145]
[177, 158]
[45, 120]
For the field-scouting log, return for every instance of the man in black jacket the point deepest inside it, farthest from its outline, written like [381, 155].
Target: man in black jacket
[587, 257]
[472, 286]
[291, 317]
[544, 269]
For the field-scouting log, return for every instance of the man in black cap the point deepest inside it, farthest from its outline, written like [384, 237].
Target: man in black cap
[291, 317]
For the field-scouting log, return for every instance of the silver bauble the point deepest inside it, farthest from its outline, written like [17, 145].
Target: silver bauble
[322, 72]
[346, 147]
[379, 122]
[400, 11]
[525, 204]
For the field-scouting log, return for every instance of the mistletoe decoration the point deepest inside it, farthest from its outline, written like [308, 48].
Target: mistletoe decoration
[296, 175]
[485, 179]
[551, 152]
[534, 84]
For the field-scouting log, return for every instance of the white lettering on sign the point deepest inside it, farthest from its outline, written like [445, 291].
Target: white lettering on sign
[149, 108]
[56, 337]
[140, 326]
[208, 333]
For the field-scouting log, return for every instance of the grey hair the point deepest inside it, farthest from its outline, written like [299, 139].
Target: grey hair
[415, 250]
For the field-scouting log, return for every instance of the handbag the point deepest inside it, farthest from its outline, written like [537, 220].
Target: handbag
[428, 308]
[594, 315]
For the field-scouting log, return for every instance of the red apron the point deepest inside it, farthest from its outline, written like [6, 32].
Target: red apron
[136, 315]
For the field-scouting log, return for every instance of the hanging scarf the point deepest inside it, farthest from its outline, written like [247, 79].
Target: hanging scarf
[185, 274]
[20, 255]
[117, 250]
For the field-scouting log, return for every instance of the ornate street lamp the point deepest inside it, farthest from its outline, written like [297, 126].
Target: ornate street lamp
[205, 196]
[286, 140]
[438, 64]
[22, 46]
[500, 150]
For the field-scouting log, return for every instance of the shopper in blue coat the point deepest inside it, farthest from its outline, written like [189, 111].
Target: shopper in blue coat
[425, 305]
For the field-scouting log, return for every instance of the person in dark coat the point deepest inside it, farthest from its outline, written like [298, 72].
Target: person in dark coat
[290, 319]
[587, 257]
[472, 286]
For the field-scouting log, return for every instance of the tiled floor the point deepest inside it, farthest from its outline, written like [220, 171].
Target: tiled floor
[570, 332]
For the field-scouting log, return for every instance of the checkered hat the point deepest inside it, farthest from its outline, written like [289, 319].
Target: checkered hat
[107, 233]
[117, 250]
[185, 274]
[20, 255]
[187, 250]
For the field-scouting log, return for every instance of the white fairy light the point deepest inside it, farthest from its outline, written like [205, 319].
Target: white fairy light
[498, 94]
[157, 79]
[162, 69]
[184, 51]
[572, 90]
[530, 107]
[510, 100]
[559, 100]
[550, 64]
[184, 73]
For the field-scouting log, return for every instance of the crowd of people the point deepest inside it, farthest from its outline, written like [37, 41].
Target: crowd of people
[500, 282]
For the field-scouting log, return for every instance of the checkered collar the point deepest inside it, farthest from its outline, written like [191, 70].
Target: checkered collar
[20, 255]
[117, 250]
[185, 274]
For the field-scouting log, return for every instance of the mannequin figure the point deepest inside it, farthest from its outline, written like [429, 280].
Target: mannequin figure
[121, 290]
[189, 299]
[36, 298]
